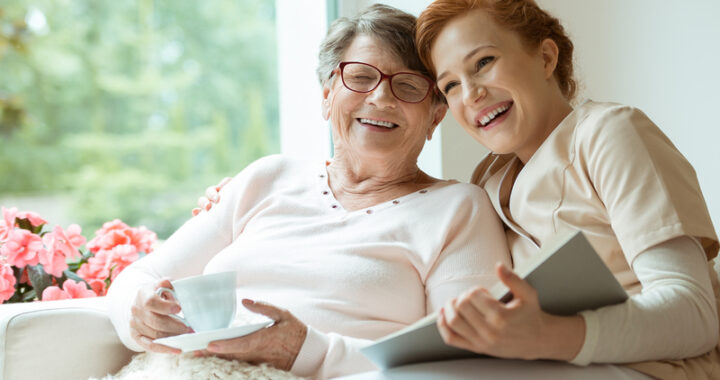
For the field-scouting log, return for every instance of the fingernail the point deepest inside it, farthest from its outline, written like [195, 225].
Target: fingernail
[176, 309]
[212, 347]
[247, 301]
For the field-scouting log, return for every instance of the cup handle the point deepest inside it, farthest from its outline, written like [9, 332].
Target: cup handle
[160, 292]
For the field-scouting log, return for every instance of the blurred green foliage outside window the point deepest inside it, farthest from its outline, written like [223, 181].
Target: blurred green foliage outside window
[130, 109]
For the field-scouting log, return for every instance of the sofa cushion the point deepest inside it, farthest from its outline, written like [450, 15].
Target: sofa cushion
[70, 339]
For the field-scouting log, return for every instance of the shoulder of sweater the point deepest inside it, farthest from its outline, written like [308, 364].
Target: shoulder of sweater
[275, 165]
[461, 193]
[597, 118]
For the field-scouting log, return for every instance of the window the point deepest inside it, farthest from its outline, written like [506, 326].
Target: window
[129, 109]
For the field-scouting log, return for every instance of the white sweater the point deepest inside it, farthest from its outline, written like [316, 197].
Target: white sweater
[351, 276]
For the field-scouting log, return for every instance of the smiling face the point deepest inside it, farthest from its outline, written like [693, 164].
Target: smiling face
[377, 124]
[502, 93]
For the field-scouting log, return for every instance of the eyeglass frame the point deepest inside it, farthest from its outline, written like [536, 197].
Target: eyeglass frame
[383, 76]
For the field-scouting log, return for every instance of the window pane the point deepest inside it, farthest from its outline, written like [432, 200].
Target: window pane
[129, 109]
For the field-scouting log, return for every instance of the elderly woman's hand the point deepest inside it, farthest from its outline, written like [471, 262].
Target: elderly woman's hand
[212, 195]
[277, 345]
[150, 318]
[478, 322]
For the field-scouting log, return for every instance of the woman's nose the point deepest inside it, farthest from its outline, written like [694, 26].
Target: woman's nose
[473, 93]
[382, 95]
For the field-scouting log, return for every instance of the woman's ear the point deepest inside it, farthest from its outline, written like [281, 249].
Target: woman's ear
[550, 53]
[326, 102]
[438, 115]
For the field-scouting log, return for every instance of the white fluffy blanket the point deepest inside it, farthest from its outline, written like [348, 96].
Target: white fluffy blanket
[152, 366]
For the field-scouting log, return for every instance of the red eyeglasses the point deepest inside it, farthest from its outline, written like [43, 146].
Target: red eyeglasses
[363, 78]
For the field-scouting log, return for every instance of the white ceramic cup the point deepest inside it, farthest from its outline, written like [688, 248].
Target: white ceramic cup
[208, 301]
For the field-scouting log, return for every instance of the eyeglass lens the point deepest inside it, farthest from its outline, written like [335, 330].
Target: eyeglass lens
[407, 87]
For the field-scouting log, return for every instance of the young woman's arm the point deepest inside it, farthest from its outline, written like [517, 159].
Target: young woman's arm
[674, 317]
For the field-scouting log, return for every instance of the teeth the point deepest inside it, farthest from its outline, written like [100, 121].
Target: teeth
[491, 115]
[379, 123]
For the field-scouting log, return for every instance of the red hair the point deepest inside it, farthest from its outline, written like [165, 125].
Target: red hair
[524, 17]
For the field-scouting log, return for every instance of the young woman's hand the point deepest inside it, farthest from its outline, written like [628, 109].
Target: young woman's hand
[277, 345]
[478, 322]
[212, 195]
[150, 318]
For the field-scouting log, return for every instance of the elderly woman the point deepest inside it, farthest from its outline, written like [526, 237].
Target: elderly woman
[505, 68]
[353, 248]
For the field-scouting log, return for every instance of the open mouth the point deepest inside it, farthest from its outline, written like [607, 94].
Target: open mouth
[495, 115]
[377, 123]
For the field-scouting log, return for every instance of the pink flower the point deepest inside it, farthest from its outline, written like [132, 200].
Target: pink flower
[98, 286]
[94, 269]
[71, 289]
[121, 257]
[115, 233]
[9, 215]
[7, 282]
[7, 223]
[4, 230]
[53, 262]
[111, 234]
[108, 263]
[73, 234]
[32, 217]
[22, 248]
[65, 243]
[143, 239]
[60, 247]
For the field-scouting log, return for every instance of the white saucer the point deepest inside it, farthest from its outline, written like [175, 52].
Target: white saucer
[200, 340]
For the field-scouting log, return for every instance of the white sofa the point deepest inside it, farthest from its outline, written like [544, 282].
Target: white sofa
[70, 339]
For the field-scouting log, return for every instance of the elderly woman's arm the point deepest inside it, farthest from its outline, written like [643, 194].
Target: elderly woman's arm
[184, 254]
[137, 313]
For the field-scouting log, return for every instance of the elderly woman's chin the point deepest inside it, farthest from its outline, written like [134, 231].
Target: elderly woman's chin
[389, 142]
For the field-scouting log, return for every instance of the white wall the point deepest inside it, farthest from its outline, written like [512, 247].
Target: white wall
[660, 56]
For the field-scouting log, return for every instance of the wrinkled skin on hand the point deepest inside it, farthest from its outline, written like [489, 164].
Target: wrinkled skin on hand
[277, 345]
[150, 318]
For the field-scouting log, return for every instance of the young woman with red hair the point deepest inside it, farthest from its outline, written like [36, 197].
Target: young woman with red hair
[505, 68]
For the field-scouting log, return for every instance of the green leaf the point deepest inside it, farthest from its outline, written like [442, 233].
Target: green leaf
[73, 276]
[39, 278]
[29, 296]
[17, 297]
[25, 224]
[17, 272]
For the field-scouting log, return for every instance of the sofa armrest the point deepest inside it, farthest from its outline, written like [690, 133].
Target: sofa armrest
[69, 339]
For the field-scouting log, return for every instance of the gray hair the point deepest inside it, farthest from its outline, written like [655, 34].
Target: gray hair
[391, 26]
